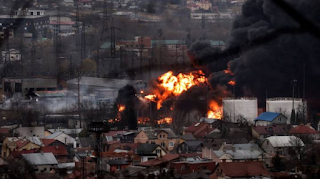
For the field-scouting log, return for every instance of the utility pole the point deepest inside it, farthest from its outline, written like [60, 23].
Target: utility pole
[83, 50]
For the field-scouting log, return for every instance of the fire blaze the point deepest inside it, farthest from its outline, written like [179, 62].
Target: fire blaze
[215, 111]
[167, 120]
[121, 108]
[175, 85]
[232, 82]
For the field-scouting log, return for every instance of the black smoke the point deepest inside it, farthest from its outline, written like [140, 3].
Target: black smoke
[268, 49]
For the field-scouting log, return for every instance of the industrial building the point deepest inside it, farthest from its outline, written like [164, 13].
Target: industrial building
[236, 109]
[19, 87]
[102, 89]
[285, 105]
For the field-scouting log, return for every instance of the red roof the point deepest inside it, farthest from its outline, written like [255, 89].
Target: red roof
[158, 161]
[204, 132]
[47, 142]
[193, 128]
[4, 130]
[16, 154]
[272, 129]
[55, 150]
[302, 129]
[20, 143]
[243, 169]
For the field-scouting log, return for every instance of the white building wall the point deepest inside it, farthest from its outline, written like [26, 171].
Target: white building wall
[245, 107]
[284, 106]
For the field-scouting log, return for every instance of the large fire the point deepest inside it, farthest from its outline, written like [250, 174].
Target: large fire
[167, 120]
[215, 110]
[175, 85]
[171, 85]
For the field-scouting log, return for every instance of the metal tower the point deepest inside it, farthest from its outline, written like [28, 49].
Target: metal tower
[104, 19]
[57, 44]
[98, 128]
[203, 21]
[83, 167]
[113, 39]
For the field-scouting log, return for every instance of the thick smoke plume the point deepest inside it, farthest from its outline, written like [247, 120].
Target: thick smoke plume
[267, 50]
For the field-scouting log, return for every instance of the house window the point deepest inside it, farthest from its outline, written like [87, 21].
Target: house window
[163, 144]
[160, 136]
[38, 13]
[158, 151]
[171, 144]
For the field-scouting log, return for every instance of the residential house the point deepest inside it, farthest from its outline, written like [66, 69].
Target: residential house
[52, 142]
[305, 132]
[67, 3]
[18, 144]
[281, 144]
[116, 164]
[128, 137]
[268, 118]
[131, 172]
[130, 147]
[200, 129]
[114, 135]
[187, 137]
[164, 137]
[189, 147]
[42, 162]
[158, 164]
[248, 169]
[60, 152]
[29, 132]
[71, 132]
[62, 137]
[150, 151]
[205, 5]
[262, 132]
[186, 167]
[238, 153]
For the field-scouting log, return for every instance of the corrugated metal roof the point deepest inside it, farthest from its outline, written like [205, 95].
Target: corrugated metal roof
[267, 116]
[54, 135]
[240, 154]
[40, 158]
[284, 141]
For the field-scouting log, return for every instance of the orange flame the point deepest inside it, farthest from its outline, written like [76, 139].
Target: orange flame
[232, 82]
[151, 97]
[175, 85]
[228, 72]
[215, 110]
[121, 108]
[167, 120]
[143, 120]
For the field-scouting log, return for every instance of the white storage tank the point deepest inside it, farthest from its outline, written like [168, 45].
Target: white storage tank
[235, 108]
[284, 105]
